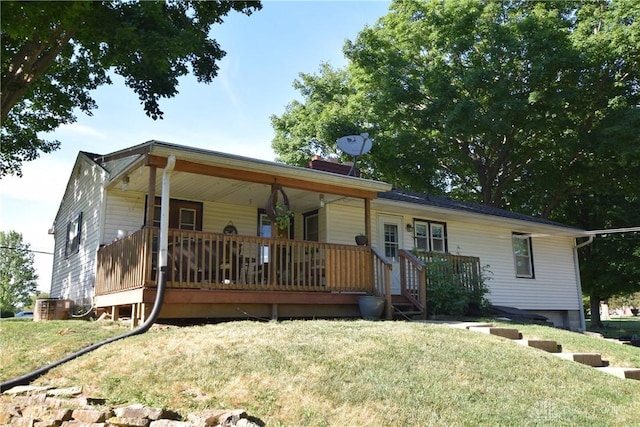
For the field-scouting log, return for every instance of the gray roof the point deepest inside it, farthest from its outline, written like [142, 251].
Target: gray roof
[458, 205]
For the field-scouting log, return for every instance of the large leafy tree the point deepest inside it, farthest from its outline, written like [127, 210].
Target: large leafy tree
[17, 274]
[532, 106]
[513, 104]
[55, 53]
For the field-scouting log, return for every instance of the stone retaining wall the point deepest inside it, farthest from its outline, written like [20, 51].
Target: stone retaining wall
[30, 406]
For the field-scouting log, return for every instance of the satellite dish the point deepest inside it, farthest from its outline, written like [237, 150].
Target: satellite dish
[356, 145]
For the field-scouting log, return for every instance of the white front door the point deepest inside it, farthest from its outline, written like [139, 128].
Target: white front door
[390, 242]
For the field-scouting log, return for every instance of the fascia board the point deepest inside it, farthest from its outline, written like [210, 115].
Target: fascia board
[534, 228]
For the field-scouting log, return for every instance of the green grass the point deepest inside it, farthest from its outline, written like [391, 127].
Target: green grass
[618, 327]
[337, 373]
[612, 350]
[27, 345]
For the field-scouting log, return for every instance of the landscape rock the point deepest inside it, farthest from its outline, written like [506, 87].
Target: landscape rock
[31, 406]
[91, 415]
[128, 422]
[69, 391]
[170, 423]
[139, 411]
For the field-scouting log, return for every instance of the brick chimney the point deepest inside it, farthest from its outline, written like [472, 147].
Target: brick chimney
[332, 165]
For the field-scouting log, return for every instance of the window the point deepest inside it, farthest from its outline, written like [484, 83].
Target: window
[522, 255]
[391, 242]
[187, 219]
[311, 226]
[183, 214]
[74, 233]
[264, 230]
[430, 236]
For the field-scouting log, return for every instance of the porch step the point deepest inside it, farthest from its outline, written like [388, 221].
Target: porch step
[510, 333]
[624, 373]
[549, 346]
[589, 359]
[405, 310]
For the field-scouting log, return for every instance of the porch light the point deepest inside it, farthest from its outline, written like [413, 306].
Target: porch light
[125, 183]
[410, 228]
[322, 200]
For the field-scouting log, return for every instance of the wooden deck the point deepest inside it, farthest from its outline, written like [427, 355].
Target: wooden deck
[231, 276]
[209, 274]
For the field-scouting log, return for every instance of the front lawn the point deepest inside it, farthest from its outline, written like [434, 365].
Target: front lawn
[336, 373]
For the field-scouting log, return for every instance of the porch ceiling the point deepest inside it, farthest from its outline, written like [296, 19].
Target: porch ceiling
[188, 186]
[204, 175]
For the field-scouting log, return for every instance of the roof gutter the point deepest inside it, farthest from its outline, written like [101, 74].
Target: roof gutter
[591, 235]
[585, 243]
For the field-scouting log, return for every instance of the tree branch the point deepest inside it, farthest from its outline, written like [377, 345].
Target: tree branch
[28, 65]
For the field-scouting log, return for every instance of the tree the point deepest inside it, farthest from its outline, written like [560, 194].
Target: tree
[327, 97]
[530, 106]
[55, 53]
[477, 98]
[17, 276]
[610, 265]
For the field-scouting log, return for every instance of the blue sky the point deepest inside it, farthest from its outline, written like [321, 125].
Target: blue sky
[265, 53]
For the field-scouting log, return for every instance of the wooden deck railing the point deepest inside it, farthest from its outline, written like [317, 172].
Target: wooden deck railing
[203, 260]
[413, 285]
[466, 268]
[382, 280]
[125, 264]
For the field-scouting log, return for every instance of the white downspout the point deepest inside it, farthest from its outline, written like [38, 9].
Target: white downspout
[157, 306]
[576, 264]
[164, 211]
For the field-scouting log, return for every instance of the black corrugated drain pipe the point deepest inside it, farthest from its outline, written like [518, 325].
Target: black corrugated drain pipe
[157, 306]
[27, 378]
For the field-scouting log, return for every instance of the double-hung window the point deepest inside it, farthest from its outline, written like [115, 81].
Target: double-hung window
[522, 255]
[430, 236]
[74, 234]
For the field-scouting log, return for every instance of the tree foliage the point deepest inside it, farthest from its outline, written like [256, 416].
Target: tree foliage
[485, 100]
[530, 106]
[18, 278]
[55, 53]
[610, 265]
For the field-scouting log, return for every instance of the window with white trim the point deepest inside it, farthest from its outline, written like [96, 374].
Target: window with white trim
[74, 233]
[522, 255]
[430, 236]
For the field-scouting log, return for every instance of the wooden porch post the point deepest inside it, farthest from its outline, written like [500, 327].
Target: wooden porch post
[151, 199]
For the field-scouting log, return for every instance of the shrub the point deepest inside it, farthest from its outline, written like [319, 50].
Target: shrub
[455, 293]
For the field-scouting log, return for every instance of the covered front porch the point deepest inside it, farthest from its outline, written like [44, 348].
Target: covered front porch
[217, 275]
[228, 253]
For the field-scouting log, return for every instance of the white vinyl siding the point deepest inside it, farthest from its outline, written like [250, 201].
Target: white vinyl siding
[125, 211]
[73, 273]
[344, 223]
[554, 285]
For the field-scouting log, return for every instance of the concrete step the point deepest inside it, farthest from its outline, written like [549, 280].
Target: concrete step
[589, 359]
[625, 373]
[468, 325]
[510, 333]
[546, 345]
